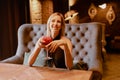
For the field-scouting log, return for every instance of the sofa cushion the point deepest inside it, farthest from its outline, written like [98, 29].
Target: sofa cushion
[40, 60]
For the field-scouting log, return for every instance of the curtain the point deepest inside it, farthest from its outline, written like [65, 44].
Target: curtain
[12, 15]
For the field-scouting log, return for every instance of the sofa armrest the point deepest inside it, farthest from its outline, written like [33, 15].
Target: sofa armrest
[14, 59]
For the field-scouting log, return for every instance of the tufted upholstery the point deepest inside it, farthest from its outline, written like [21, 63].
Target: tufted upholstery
[85, 37]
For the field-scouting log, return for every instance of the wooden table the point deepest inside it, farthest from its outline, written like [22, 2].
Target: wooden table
[23, 72]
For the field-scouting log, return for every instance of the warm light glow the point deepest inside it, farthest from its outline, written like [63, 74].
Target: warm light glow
[72, 2]
[103, 6]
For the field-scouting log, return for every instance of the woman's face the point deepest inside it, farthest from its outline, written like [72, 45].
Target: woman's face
[55, 25]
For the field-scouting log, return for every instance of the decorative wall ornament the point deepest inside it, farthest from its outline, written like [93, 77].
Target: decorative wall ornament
[92, 11]
[110, 16]
[72, 16]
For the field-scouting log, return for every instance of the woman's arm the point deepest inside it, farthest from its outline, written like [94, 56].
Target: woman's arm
[35, 52]
[68, 52]
[66, 45]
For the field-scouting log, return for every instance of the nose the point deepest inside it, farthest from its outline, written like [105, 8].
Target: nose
[55, 23]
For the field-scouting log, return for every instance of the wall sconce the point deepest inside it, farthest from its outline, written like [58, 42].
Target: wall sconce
[71, 2]
[92, 11]
[103, 6]
[110, 16]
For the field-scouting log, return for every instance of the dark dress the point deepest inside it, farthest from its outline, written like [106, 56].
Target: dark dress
[58, 58]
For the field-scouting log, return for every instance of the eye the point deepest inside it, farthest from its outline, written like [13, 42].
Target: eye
[53, 20]
[59, 21]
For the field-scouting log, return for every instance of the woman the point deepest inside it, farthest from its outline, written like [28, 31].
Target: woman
[60, 48]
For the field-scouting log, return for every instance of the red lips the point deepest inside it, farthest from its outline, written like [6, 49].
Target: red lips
[46, 40]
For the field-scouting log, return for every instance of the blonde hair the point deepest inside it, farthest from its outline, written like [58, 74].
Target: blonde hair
[62, 31]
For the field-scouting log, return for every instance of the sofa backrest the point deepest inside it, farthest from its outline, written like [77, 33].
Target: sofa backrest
[87, 43]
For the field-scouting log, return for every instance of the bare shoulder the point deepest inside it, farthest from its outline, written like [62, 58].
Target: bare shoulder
[69, 43]
[65, 38]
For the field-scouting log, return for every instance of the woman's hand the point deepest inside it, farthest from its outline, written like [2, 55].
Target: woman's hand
[52, 46]
[44, 40]
[39, 43]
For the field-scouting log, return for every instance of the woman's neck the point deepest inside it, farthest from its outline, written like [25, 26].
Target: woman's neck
[55, 36]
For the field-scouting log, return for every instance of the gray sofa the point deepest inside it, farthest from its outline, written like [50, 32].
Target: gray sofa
[87, 39]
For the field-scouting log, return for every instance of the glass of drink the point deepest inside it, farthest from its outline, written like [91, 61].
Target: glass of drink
[47, 40]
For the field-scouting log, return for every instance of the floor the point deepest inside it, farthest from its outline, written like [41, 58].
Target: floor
[112, 67]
